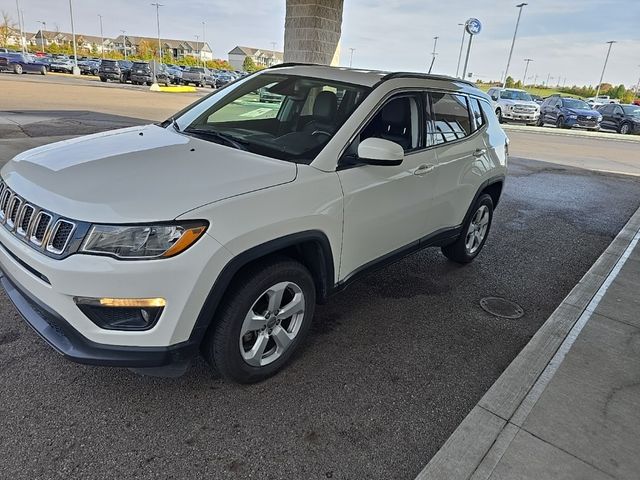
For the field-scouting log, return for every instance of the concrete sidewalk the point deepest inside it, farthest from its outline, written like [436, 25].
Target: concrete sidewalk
[568, 407]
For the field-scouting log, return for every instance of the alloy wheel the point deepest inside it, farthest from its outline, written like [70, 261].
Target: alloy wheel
[272, 324]
[477, 229]
[624, 129]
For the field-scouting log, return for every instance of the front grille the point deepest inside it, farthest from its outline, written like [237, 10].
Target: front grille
[60, 236]
[42, 223]
[42, 230]
[524, 108]
[586, 118]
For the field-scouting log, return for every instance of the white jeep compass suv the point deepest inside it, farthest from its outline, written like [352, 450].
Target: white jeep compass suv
[218, 231]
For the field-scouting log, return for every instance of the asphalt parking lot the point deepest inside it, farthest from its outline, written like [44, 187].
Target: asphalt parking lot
[392, 366]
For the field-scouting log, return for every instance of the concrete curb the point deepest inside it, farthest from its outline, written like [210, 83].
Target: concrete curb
[548, 130]
[476, 446]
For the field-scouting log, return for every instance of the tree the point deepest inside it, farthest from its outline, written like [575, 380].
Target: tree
[249, 65]
[145, 50]
[509, 83]
[7, 28]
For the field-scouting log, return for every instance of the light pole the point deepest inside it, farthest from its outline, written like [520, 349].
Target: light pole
[273, 53]
[524, 80]
[513, 42]
[351, 57]
[433, 54]
[101, 37]
[604, 67]
[21, 27]
[158, 5]
[548, 78]
[637, 91]
[124, 43]
[73, 36]
[464, 32]
[204, 61]
[197, 42]
[44, 28]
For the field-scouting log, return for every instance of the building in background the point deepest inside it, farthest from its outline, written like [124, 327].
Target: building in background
[178, 49]
[261, 57]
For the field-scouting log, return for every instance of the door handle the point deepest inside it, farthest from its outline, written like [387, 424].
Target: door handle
[480, 152]
[423, 169]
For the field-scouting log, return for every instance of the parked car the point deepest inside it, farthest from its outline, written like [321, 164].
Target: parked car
[118, 70]
[623, 119]
[265, 96]
[46, 61]
[89, 67]
[222, 78]
[199, 76]
[21, 63]
[117, 254]
[566, 112]
[62, 65]
[594, 102]
[514, 105]
[143, 72]
[175, 74]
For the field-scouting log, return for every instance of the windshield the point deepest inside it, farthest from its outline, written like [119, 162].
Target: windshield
[280, 116]
[515, 95]
[575, 103]
[631, 110]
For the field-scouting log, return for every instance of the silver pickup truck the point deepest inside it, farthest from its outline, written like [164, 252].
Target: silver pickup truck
[199, 76]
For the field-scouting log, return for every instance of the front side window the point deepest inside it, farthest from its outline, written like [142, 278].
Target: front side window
[277, 115]
[396, 121]
[451, 119]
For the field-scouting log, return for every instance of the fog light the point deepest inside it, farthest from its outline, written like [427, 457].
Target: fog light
[122, 313]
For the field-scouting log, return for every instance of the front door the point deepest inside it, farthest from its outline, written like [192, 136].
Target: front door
[387, 208]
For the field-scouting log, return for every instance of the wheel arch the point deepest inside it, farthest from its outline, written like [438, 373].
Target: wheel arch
[311, 248]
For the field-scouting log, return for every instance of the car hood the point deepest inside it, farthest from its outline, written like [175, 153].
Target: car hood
[519, 102]
[138, 174]
[583, 111]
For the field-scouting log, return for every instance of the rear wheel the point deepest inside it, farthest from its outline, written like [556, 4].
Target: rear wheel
[267, 314]
[625, 129]
[43, 71]
[560, 122]
[474, 232]
[103, 79]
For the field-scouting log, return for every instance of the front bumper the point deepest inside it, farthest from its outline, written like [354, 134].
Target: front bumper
[577, 122]
[66, 340]
[522, 117]
[43, 290]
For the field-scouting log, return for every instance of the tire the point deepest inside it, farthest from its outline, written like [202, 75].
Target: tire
[17, 69]
[43, 71]
[560, 122]
[103, 79]
[149, 84]
[225, 347]
[625, 129]
[465, 249]
[540, 122]
[499, 115]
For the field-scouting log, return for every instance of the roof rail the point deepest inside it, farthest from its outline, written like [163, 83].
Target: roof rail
[295, 64]
[425, 76]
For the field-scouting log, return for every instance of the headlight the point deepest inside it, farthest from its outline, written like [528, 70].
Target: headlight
[573, 117]
[599, 118]
[142, 241]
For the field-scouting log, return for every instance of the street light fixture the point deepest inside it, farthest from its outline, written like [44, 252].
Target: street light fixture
[513, 42]
[101, 37]
[44, 28]
[464, 32]
[524, 80]
[158, 5]
[604, 67]
[433, 54]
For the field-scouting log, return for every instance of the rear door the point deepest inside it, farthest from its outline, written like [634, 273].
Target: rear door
[460, 148]
[607, 118]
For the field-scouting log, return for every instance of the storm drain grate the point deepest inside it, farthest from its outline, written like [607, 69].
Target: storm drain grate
[501, 307]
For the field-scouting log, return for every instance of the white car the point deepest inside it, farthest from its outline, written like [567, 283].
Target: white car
[514, 105]
[594, 102]
[217, 231]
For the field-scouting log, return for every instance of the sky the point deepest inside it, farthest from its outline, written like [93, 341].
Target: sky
[565, 38]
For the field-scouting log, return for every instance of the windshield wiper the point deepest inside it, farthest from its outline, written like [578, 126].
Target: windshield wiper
[228, 139]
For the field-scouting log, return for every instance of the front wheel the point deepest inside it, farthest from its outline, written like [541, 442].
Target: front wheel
[560, 122]
[499, 115]
[17, 69]
[43, 71]
[474, 232]
[267, 314]
[540, 121]
[103, 79]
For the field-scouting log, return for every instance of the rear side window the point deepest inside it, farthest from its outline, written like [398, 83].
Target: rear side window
[451, 120]
[476, 113]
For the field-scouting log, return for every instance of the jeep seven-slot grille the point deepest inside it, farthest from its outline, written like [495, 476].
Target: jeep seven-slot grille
[41, 229]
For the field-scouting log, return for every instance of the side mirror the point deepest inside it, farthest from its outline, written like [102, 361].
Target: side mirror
[494, 97]
[378, 151]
